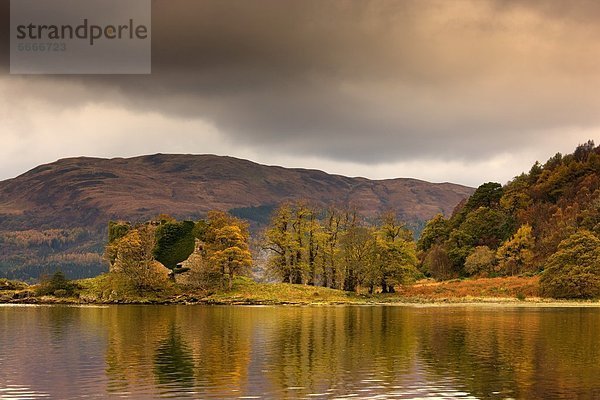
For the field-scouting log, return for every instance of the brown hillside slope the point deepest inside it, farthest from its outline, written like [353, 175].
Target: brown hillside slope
[77, 191]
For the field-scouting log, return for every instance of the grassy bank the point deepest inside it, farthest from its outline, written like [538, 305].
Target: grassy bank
[101, 290]
[246, 291]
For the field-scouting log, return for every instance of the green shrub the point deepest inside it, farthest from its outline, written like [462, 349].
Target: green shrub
[174, 243]
[117, 229]
[57, 285]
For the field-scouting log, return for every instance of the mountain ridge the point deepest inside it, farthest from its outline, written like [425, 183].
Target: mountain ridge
[104, 187]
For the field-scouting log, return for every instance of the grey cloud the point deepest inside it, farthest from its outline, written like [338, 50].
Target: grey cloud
[366, 81]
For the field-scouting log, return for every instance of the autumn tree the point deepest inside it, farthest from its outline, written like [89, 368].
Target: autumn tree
[583, 151]
[358, 246]
[296, 241]
[312, 232]
[574, 270]
[336, 248]
[516, 255]
[515, 197]
[396, 254]
[279, 240]
[230, 252]
[206, 230]
[437, 264]
[300, 240]
[481, 261]
[135, 262]
[223, 252]
[116, 230]
[335, 224]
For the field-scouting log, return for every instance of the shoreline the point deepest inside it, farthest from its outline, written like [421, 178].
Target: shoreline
[490, 292]
[405, 302]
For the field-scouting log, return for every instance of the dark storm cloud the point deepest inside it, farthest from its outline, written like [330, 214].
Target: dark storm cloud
[380, 80]
[367, 81]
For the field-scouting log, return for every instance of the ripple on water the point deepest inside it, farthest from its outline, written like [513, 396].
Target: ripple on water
[10, 392]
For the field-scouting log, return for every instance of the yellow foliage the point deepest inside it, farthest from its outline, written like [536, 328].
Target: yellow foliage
[516, 255]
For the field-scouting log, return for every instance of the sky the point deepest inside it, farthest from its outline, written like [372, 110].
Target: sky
[444, 91]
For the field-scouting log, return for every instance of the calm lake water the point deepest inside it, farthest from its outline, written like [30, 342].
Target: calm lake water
[378, 352]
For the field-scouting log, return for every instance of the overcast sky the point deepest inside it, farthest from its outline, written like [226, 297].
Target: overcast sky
[449, 90]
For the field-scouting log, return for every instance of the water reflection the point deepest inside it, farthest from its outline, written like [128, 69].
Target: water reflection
[299, 352]
[327, 354]
[173, 362]
[520, 353]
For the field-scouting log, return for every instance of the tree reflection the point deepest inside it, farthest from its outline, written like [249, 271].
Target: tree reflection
[336, 348]
[278, 352]
[173, 363]
[519, 353]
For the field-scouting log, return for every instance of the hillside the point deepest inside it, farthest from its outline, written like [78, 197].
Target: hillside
[544, 221]
[56, 214]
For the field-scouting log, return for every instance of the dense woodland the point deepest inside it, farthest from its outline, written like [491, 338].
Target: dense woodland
[339, 249]
[29, 254]
[544, 221]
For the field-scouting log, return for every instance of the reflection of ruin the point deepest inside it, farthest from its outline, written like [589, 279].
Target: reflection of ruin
[178, 347]
[173, 362]
[132, 336]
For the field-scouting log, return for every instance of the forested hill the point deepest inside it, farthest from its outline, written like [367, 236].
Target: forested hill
[56, 214]
[545, 220]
